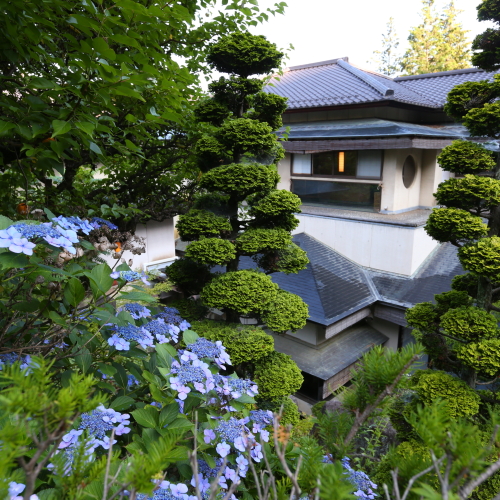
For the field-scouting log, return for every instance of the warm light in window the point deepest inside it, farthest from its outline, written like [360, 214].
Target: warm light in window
[341, 161]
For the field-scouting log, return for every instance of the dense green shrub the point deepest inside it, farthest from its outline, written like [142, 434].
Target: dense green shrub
[243, 135]
[245, 291]
[465, 283]
[469, 323]
[465, 157]
[211, 251]
[461, 400]
[422, 316]
[286, 312]
[290, 414]
[484, 356]
[190, 310]
[191, 276]
[451, 300]
[455, 225]
[257, 240]
[277, 376]
[482, 257]
[201, 223]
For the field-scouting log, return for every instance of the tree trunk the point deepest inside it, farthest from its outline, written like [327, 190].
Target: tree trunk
[484, 293]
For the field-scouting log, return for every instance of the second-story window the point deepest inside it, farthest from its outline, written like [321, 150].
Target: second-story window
[349, 164]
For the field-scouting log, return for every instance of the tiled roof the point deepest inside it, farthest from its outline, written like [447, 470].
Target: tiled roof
[328, 359]
[336, 82]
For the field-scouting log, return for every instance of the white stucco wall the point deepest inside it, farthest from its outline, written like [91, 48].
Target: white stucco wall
[160, 244]
[384, 247]
[284, 169]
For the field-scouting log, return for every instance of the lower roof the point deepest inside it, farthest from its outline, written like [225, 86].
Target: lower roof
[333, 356]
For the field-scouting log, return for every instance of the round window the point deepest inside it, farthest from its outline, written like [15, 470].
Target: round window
[409, 171]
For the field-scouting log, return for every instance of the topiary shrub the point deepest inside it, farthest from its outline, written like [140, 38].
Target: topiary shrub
[211, 111]
[188, 275]
[287, 312]
[482, 257]
[465, 157]
[423, 316]
[244, 54]
[198, 223]
[209, 152]
[290, 259]
[211, 251]
[258, 240]
[469, 323]
[455, 225]
[290, 414]
[240, 179]
[243, 135]
[276, 203]
[244, 344]
[484, 121]
[233, 91]
[451, 300]
[468, 192]
[460, 97]
[245, 291]
[465, 283]
[190, 310]
[484, 357]
[269, 108]
[277, 375]
[461, 400]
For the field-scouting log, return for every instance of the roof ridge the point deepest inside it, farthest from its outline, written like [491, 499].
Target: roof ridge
[441, 73]
[315, 64]
[378, 86]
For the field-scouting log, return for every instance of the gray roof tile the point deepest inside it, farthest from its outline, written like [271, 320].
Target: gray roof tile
[336, 82]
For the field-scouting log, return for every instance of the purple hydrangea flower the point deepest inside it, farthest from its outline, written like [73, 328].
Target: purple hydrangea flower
[223, 449]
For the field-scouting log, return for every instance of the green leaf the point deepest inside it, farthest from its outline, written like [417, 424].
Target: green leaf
[84, 360]
[30, 306]
[121, 403]
[190, 337]
[5, 222]
[147, 417]
[9, 260]
[165, 356]
[74, 292]
[137, 296]
[128, 92]
[120, 376]
[101, 277]
[180, 423]
[107, 370]
[49, 214]
[86, 127]
[169, 414]
[245, 398]
[95, 148]
[178, 453]
[60, 127]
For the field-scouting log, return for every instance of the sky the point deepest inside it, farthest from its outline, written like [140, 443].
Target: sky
[327, 29]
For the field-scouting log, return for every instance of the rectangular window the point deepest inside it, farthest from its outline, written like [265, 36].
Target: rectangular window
[346, 195]
[354, 164]
[301, 164]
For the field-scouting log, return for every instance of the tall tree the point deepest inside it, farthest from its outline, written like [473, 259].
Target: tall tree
[242, 212]
[388, 59]
[82, 81]
[439, 43]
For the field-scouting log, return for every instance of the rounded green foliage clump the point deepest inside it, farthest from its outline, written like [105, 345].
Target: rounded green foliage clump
[484, 357]
[483, 121]
[240, 179]
[198, 223]
[244, 291]
[465, 157]
[244, 54]
[210, 152]
[465, 96]
[471, 191]
[243, 135]
[469, 323]
[244, 344]
[233, 92]
[211, 111]
[290, 259]
[423, 316]
[277, 203]
[290, 414]
[211, 251]
[277, 375]
[269, 108]
[482, 257]
[461, 400]
[465, 283]
[455, 225]
[257, 240]
[287, 312]
[188, 275]
[451, 300]
[190, 310]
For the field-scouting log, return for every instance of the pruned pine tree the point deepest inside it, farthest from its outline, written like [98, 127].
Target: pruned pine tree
[438, 43]
[242, 213]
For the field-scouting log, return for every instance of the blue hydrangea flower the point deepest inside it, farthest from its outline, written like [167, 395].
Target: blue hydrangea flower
[235, 387]
[193, 372]
[204, 348]
[73, 223]
[136, 310]
[130, 276]
[97, 222]
[162, 331]
[132, 333]
[360, 480]
[166, 490]
[55, 236]
[260, 419]
[11, 358]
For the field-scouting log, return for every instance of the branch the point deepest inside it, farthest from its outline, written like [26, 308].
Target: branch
[465, 492]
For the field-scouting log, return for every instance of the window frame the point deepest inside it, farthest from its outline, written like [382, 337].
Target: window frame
[334, 176]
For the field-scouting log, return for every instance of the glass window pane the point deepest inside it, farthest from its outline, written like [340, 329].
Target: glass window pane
[324, 163]
[347, 195]
[346, 163]
[370, 163]
[301, 164]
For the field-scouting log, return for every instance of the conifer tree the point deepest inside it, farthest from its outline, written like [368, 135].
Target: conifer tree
[438, 43]
[388, 59]
[242, 213]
